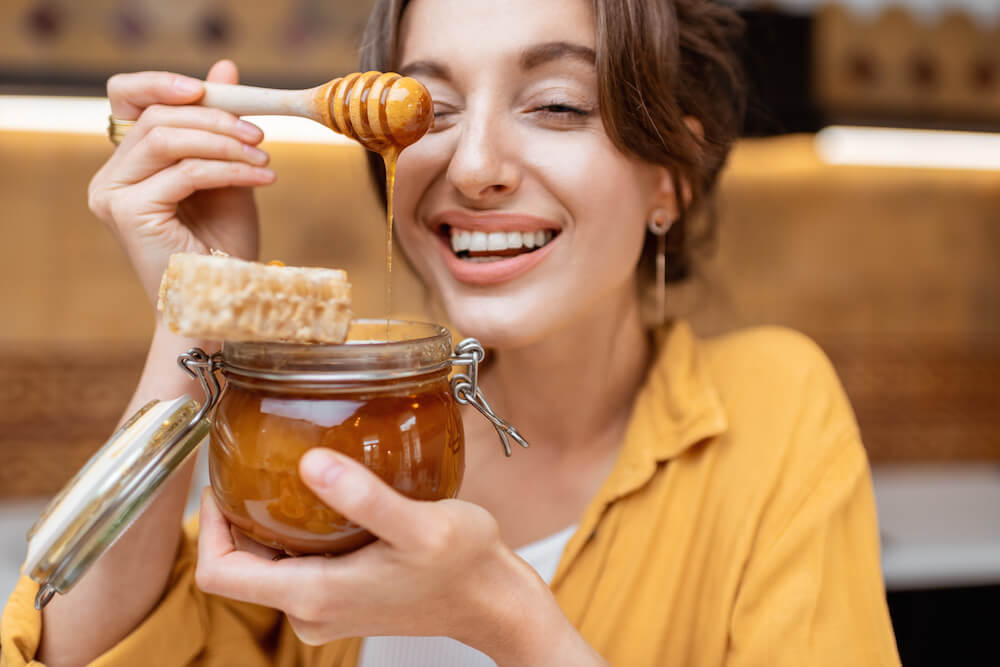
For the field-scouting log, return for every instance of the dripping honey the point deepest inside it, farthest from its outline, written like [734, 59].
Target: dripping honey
[360, 106]
[390, 156]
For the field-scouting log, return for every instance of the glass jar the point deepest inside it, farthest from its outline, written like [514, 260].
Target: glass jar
[388, 405]
[385, 398]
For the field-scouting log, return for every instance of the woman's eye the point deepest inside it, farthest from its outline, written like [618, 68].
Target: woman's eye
[562, 109]
[444, 115]
[446, 104]
[561, 114]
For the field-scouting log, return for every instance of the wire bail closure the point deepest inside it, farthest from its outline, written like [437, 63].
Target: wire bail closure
[202, 367]
[465, 388]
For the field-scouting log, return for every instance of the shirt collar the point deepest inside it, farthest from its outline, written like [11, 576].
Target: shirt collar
[677, 407]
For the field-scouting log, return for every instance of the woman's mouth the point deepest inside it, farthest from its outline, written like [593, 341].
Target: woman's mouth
[481, 247]
[488, 248]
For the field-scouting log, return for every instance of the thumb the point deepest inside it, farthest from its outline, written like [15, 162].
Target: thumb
[224, 71]
[350, 488]
[130, 94]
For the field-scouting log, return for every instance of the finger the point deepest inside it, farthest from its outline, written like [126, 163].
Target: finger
[251, 546]
[224, 71]
[195, 118]
[163, 146]
[361, 496]
[190, 117]
[190, 175]
[129, 94]
[220, 561]
[215, 538]
[223, 569]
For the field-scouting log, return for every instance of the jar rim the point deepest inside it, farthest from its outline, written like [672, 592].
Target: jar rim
[411, 348]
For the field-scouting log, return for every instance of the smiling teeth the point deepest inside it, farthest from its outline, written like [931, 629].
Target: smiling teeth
[486, 241]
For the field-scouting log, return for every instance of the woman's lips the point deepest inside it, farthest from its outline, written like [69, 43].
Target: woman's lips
[495, 271]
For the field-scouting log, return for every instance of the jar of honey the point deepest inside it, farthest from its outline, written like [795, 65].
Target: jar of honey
[388, 405]
[388, 397]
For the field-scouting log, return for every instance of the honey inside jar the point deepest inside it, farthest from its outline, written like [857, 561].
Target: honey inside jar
[387, 405]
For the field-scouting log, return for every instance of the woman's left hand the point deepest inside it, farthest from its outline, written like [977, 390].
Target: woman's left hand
[437, 569]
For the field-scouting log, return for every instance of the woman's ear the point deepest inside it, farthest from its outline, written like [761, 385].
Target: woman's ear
[666, 194]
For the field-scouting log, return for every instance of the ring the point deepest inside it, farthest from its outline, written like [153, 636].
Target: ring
[117, 129]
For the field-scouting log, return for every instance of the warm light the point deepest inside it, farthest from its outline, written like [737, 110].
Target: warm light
[89, 115]
[886, 147]
[838, 145]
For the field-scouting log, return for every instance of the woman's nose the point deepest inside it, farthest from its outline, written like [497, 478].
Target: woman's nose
[481, 169]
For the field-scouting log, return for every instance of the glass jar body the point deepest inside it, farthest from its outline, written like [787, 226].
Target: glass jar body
[407, 431]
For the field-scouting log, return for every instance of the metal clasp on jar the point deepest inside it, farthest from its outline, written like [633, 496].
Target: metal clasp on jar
[466, 389]
[203, 367]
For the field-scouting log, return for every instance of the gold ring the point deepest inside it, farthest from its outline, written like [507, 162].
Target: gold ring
[117, 129]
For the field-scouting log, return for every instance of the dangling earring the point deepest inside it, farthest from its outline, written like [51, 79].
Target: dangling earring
[659, 224]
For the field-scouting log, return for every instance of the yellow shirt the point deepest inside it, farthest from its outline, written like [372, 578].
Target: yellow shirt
[737, 528]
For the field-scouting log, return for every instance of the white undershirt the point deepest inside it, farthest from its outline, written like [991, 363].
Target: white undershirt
[542, 555]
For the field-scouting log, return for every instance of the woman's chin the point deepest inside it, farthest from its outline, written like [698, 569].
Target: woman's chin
[498, 326]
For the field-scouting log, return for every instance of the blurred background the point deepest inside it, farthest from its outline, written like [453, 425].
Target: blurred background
[862, 208]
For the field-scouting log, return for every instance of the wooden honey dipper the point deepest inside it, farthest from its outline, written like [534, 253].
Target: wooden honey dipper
[382, 112]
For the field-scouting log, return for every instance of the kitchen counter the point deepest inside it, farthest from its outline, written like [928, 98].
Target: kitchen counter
[940, 524]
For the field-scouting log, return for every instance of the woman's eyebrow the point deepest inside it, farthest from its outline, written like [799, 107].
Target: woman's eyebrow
[539, 54]
[531, 57]
[426, 68]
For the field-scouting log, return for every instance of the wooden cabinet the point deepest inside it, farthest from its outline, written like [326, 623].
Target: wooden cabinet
[896, 65]
[281, 42]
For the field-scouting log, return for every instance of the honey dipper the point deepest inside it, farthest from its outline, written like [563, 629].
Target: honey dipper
[379, 111]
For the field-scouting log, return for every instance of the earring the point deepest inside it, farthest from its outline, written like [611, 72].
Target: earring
[659, 224]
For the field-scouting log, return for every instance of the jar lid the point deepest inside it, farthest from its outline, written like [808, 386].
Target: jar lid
[110, 492]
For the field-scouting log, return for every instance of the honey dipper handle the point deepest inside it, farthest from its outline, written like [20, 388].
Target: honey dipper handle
[248, 100]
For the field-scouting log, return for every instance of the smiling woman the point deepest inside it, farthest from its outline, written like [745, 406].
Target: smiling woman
[684, 501]
[650, 79]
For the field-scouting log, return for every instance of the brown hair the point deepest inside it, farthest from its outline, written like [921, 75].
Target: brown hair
[658, 62]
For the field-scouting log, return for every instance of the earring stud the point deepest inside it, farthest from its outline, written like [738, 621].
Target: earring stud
[659, 222]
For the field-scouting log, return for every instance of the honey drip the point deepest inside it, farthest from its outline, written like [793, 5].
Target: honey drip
[385, 113]
[382, 111]
[389, 156]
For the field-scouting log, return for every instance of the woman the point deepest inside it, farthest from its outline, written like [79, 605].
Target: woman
[707, 502]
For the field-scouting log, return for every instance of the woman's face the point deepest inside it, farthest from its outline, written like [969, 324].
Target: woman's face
[516, 208]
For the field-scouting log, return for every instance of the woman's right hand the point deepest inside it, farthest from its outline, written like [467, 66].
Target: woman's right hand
[180, 180]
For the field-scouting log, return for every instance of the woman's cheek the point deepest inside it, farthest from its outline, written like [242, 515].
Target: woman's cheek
[603, 191]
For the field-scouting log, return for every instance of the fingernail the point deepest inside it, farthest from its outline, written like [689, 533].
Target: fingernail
[249, 131]
[323, 468]
[265, 174]
[187, 86]
[255, 154]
